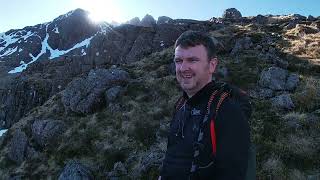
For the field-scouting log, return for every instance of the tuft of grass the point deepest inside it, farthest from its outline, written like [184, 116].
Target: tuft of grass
[307, 96]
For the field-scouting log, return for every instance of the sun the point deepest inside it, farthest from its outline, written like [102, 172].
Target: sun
[101, 10]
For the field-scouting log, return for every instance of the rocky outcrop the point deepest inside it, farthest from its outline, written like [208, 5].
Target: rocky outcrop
[86, 95]
[70, 29]
[134, 21]
[18, 147]
[260, 19]
[45, 132]
[148, 21]
[164, 19]
[278, 79]
[142, 46]
[231, 13]
[20, 97]
[75, 171]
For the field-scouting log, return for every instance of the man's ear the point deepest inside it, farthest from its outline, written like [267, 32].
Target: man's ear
[213, 64]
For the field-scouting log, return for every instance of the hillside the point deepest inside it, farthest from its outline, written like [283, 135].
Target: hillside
[105, 113]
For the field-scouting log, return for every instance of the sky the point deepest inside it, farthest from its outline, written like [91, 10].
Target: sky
[16, 14]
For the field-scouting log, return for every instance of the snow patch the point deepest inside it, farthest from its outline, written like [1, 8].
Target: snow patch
[9, 52]
[2, 131]
[56, 30]
[56, 52]
[83, 53]
[13, 38]
[104, 28]
[161, 43]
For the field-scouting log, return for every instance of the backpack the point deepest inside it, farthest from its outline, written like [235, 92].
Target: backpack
[222, 91]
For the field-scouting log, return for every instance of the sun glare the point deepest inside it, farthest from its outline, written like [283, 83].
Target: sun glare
[101, 10]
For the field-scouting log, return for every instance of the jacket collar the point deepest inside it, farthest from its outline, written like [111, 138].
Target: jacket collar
[202, 95]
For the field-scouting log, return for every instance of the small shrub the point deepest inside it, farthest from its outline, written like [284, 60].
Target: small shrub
[307, 97]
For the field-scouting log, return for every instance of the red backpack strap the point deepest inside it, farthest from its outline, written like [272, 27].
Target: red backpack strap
[213, 137]
[223, 96]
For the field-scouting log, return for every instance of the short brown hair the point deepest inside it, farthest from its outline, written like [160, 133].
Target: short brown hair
[194, 38]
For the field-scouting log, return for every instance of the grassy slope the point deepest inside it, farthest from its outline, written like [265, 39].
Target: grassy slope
[141, 120]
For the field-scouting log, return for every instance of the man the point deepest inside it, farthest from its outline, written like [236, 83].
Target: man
[188, 156]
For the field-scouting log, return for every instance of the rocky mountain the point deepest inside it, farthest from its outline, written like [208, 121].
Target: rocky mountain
[94, 101]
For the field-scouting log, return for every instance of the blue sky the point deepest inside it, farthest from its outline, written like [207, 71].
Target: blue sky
[18, 14]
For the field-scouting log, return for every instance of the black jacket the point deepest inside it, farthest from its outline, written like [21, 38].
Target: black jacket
[232, 137]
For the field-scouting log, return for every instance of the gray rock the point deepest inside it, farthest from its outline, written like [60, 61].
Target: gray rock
[85, 95]
[292, 82]
[148, 21]
[18, 147]
[311, 18]
[164, 20]
[283, 101]
[112, 93]
[75, 171]
[134, 21]
[265, 93]
[273, 78]
[231, 13]
[291, 25]
[271, 57]
[142, 47]
[241, 44]
[298, 17]
[46, 131]
[260, 19]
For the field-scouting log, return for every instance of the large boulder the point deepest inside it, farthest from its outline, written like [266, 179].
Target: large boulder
[231, 13]
[85, 95]
[18, 147]
[75, 171]
[164, 20]
[278, 79]
[47, 131]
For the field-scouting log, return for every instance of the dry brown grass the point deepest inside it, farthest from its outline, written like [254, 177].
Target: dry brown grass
[304, 41]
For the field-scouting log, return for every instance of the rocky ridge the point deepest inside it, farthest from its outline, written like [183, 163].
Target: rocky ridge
[104, 112]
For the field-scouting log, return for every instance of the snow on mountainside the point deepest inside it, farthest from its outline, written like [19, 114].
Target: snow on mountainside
[65, 34]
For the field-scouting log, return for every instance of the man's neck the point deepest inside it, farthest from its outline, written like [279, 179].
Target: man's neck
[190, 94]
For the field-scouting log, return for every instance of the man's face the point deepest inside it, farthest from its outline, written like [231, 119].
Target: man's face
[193, 68]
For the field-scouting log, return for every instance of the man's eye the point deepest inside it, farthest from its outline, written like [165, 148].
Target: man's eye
[177, 61]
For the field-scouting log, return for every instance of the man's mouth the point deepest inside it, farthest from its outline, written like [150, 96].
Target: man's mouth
[187, 76]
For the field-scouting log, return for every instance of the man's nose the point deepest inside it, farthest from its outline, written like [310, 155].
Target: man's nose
[184, 66]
